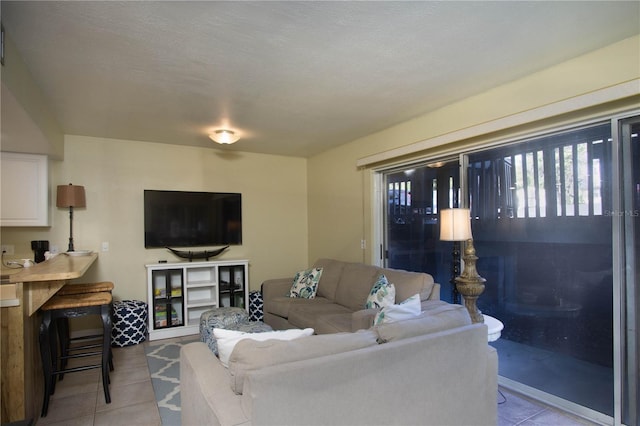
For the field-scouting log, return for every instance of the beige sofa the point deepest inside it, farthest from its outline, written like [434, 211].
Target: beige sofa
[436, 369]
[341, 296]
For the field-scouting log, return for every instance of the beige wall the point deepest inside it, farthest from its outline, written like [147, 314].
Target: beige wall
[340, 195]
[24, 114]
[115, 173]
[336, 205]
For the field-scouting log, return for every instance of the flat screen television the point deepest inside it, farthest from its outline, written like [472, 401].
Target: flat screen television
[191, 219]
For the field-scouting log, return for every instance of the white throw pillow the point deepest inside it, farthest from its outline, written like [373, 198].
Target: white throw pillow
[382, 294]
[407, 309]
[227, 339]
[305, 283]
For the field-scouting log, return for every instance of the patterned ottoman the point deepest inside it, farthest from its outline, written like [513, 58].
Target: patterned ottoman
[129, 323]
[256, 305]
[229, 318]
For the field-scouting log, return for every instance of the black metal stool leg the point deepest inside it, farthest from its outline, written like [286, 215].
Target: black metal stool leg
[45, 353]
[53, 345]
[64, 339]
[110, 350]
[106, 350]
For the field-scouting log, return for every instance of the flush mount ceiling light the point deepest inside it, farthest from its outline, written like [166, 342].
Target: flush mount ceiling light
[224, 137]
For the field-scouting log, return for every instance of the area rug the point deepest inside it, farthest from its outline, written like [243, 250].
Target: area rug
[164, 366]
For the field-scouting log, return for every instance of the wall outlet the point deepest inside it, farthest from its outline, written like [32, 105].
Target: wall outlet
[363, 244]
[105, 246]
[8, 249]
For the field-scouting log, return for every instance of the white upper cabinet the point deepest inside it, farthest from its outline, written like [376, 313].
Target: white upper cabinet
[25, 190]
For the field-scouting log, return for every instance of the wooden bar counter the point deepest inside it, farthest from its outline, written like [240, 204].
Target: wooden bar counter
[21, 297]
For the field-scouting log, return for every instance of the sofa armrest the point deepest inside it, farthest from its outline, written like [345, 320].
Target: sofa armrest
[433, 294]
[363, 319]
[277, 287]
[205, 390]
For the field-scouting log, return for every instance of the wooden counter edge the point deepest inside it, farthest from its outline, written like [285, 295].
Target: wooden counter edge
[61, 267]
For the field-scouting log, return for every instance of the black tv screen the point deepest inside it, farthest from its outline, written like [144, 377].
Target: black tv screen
[191, 219]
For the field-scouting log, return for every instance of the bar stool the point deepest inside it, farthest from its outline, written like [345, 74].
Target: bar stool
[85, 288]
[73, 306]
[63, 323]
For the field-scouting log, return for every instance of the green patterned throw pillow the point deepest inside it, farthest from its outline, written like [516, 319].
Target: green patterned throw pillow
[382, 294]
[305, 283]
[405, 310]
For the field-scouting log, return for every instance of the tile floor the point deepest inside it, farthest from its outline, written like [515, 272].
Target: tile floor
[79, 399]
[515, 409]
[562, 376]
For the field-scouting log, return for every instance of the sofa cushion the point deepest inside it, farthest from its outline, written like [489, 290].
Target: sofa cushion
[305, 283]
[303, 316]
[363, 319]
[227, 339]
[331, 272]
[411, 283]
[438, 316]
[355, 284]
[406, 309]
[334, 323]
[280, 306]
[382, 293]
[251, 355]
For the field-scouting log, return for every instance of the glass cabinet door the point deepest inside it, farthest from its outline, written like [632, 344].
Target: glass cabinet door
[168, 307]
[232, 282]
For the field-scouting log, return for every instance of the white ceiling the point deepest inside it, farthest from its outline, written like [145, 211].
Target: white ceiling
[294, 78]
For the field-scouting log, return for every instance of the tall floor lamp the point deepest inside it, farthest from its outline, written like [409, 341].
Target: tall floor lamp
[70, 196]
[455, 225]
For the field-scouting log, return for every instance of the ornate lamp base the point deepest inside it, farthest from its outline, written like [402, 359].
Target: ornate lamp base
[470, 284]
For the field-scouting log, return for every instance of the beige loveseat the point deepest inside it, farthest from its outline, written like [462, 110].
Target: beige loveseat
[342, 292]
[435, 369]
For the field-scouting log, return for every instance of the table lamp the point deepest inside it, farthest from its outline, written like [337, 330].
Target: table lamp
[70, 196]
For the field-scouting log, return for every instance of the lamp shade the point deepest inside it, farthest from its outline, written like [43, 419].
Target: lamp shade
[455, 225]
[70, 196]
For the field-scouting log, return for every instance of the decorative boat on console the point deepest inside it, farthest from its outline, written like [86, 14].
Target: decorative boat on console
[206, 254]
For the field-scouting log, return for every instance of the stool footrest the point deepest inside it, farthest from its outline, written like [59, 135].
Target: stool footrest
[82, 368]
[83, 354]
[86, 346]
[92, 337]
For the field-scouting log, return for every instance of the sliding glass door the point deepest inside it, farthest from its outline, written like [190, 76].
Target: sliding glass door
[414, 197]
[556, 225]
[543, 233]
